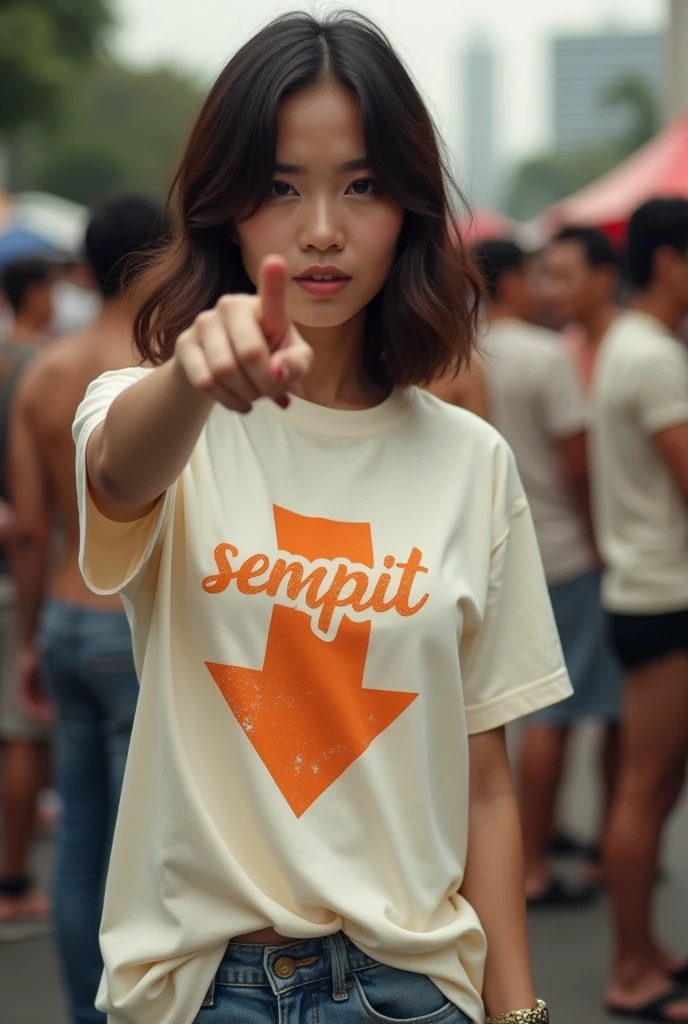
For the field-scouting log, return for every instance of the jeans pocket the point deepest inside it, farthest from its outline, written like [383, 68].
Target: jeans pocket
[389, 996]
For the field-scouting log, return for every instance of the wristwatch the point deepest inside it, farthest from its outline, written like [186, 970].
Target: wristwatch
[539, 1015]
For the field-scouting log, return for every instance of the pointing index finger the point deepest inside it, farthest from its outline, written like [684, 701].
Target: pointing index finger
[272, 289]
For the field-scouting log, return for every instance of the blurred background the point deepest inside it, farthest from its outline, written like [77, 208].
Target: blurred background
[552, 113]
[535, 101]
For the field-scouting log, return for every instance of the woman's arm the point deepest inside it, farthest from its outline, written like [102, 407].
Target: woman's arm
[145, 442]
[241, 350]
[493, 883]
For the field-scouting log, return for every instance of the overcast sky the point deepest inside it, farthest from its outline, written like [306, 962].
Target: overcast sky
[430, 34]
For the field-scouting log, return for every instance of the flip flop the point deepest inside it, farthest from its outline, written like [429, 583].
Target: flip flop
[653, 1010]
[563, 845]
[559, 895]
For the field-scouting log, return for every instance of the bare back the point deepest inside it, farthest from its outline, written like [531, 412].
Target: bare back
[58, 385]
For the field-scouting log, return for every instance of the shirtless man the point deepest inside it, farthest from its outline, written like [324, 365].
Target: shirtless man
[26, 286]
[84, 640]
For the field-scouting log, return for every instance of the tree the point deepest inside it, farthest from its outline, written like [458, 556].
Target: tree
[42, 44]
[121, 128]
[635, 94]
[545, 179]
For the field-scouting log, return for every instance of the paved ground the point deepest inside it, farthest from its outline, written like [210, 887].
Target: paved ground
[570, 950]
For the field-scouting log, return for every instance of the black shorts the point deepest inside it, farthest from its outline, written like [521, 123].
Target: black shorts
[639, 639]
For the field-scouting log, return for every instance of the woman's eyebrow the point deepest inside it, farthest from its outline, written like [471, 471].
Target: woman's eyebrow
[361, 163]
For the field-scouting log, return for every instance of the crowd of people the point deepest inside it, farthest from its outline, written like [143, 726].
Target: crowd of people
[580, 365]
[68, 686]
[597, 416]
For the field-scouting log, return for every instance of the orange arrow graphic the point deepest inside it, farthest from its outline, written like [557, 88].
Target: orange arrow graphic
[306, 712]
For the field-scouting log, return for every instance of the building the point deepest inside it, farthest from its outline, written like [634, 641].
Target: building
[480, 170]
[585, 67]
[676, 85]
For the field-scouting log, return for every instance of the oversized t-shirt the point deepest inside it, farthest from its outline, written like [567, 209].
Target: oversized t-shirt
[323, 608]
[641, 515]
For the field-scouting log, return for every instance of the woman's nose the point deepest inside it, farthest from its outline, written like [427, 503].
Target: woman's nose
[322, 225]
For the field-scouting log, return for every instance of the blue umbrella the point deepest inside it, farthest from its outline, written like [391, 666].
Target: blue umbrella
[20, 243]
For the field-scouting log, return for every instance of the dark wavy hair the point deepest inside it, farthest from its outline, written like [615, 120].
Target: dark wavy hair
[423, 323]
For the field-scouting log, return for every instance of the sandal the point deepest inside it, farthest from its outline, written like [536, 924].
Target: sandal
[557, 894]
[654, 1009]
[563, 845]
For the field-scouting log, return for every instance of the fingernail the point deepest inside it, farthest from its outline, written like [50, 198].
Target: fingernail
[282, 401]
[278, 373]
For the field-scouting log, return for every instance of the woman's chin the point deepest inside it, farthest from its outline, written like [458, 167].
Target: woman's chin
[325, 317]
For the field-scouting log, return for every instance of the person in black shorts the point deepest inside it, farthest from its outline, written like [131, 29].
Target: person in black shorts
[640, 478]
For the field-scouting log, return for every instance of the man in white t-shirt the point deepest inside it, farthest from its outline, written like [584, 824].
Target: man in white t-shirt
[640, 477]
[537, 403]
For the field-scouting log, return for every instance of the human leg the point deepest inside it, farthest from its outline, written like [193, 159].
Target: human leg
[82, 782]
[654, 748]
[24, 773]
[578, 614]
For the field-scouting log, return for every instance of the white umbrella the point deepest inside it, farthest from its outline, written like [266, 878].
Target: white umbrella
[60, 222]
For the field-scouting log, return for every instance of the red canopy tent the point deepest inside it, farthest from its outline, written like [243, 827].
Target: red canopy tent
[660, 168]
[483, 224]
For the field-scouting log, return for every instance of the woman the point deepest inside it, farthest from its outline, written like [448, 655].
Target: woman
[336, 598]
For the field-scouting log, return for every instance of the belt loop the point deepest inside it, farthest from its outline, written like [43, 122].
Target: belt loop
[340, 962]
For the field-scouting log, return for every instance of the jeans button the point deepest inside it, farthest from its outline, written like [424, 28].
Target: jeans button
[284, 967]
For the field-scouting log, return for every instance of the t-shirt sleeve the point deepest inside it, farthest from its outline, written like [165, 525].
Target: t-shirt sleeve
[563, 400]
[511, 657]
[662, 387]
[111, 555]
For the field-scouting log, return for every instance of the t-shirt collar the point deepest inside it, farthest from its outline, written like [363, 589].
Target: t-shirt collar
[321, 419]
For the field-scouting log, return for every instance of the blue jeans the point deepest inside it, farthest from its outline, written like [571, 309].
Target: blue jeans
[89, 670]
[320, 981]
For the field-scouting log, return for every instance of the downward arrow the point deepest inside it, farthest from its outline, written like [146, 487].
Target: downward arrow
[306, 712]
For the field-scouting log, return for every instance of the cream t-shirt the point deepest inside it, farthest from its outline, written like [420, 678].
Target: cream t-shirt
[536, 400]
[641, 388]
[323, 609]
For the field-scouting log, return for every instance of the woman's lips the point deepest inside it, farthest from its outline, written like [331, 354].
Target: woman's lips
[322, 289]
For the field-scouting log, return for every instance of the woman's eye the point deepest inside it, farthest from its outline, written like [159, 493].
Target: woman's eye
[362, 187]
[282, 189]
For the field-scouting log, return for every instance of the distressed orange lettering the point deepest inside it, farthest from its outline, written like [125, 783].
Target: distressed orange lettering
[377, 601]
[253, 567]
[411, 570]
[256, 575]
[332, 598]
[312, 584]
[219, 583]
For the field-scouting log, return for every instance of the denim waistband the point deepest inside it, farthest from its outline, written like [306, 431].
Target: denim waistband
[56, 608]
[293, 964]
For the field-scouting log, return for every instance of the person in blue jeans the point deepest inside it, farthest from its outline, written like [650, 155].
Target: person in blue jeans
[79, 644]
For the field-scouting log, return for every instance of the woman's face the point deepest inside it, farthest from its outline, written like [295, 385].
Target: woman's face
[323, 215]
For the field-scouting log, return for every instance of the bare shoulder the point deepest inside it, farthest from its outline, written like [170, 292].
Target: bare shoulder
[42, 384]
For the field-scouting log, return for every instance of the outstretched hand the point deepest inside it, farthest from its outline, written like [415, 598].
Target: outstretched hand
[246, 347]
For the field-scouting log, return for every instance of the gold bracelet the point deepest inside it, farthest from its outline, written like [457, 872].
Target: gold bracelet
[540, 1015]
